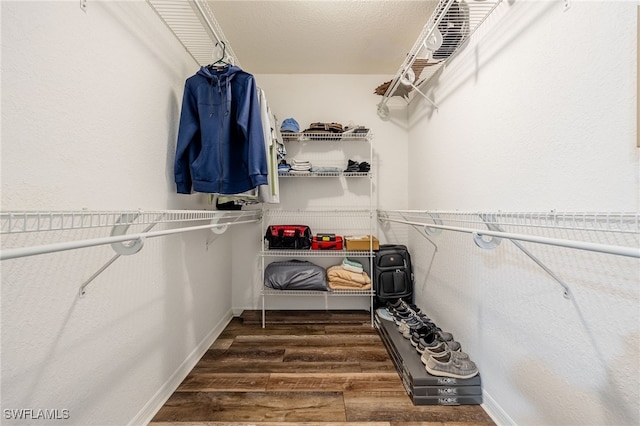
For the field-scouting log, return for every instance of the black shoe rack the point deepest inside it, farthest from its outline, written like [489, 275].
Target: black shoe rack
[422, 387]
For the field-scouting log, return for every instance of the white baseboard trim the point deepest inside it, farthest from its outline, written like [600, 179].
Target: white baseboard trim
[145, 415]
[497, 414]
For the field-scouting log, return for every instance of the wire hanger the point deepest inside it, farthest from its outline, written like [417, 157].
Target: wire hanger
[222, 61]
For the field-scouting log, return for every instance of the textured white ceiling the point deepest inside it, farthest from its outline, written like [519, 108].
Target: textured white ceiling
[321, 36]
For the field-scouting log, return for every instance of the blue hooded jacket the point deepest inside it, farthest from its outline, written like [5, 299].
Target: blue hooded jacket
[220, 145]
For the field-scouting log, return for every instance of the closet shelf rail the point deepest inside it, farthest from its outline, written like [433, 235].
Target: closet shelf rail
[493, 223]
[192, 22]
[22, 222]
[444, 35]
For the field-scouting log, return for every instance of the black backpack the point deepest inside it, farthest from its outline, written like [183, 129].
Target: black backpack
[393, 274]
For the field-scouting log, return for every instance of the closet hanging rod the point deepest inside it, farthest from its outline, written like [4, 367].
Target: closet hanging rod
[120, 221]
[579, 245]
[70, 245]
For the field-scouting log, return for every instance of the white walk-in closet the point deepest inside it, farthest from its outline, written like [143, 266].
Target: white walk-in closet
[511, 171]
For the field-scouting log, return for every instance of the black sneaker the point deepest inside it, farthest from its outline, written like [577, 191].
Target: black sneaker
[352, 166]
[364, 167]
[428, 340]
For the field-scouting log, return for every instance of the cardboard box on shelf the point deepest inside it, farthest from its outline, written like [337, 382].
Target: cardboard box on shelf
[361, 242]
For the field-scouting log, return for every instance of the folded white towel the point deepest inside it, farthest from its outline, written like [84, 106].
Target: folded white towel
[352, 266]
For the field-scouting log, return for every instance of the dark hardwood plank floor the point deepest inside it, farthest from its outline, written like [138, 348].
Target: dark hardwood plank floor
[304, 368]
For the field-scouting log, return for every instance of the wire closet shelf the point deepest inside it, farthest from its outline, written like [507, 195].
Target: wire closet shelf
[326, 137]
[42, 221]
[196, 28]
[580, 230]
[444, 35]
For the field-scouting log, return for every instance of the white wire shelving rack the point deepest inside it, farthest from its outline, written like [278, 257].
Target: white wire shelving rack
[339, 221]
[580, 230]
[431, 43]
[192, 22]
[326, 136]
[313, 174]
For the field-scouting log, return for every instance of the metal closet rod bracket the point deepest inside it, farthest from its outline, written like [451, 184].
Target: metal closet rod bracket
[493, 225]
[129, 247]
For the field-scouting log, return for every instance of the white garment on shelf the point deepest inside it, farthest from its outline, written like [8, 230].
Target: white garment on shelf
[270, 193]
[301, 165]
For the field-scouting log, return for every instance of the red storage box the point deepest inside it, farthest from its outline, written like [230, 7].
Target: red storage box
[326, 242]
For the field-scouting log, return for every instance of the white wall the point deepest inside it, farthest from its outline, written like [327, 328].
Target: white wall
[327, 98]
[90, 106]
[537, 114]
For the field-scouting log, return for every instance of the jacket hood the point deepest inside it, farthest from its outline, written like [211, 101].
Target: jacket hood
[211, 72]
[220, 81]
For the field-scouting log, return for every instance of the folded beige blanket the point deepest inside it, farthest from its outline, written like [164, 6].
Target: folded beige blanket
[339, 274]
[337, 286]
[342, 279]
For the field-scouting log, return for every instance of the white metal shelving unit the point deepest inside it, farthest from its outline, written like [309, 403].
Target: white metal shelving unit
[341, 220]
[328, 139]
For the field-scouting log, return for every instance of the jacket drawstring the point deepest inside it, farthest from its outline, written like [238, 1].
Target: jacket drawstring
[211, 114]
[214, 80]
[228, 84]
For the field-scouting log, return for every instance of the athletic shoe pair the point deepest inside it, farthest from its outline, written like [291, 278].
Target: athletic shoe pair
[410, 320]
[402, 310]
[421, 325]
[430, 335]
[442, 358]
[355, 166]
[449, 364]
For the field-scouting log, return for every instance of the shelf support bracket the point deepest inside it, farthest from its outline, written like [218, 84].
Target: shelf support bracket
[128, 247]
[83, 287]
[494, 241]
[217, 230]
[424, 96]
[493, 226]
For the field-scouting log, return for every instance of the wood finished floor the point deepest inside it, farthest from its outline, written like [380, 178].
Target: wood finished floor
[304, 368]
